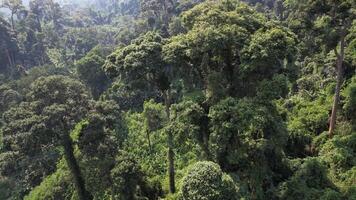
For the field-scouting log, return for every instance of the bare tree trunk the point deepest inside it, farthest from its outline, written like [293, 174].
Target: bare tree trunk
[170, 155]
[12, 22]
[340, 59]
[9, 58]
[204, 127]
[148, 139]
[11, 62]
[73, 166]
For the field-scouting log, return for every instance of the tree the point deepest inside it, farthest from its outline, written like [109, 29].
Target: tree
[98, 138]
[185, 5]
[333, 20]
[210, 99]
[227, 54]
[126, 177]
[129, 7]
[188, 121]
[54, 186]
[211, 48]
[30, 41]
[8, 49]
[89, 69]
[8, 98]
[206, 181]
[208, 56]
[338, 155]
[141, 65]
[309, 182]
[229, 51]
[247, 136]
[52, 108]
[154, 118]
[48, 11]
[14, 6]
[158, 12]
[350, 102]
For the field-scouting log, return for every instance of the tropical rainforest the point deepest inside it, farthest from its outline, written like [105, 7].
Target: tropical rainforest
[178, 100]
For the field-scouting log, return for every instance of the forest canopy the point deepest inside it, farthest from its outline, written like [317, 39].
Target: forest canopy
[178, 100]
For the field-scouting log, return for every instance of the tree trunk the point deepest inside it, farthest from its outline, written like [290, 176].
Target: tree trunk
[206, 149]
[12, 21]
[9, 57]
[229, 70]
[11, 62]
[204, 127]
[171, 173]
[73, 166]
[340, 59]
[149, 140]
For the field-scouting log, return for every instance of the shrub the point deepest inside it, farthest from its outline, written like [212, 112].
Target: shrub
[206, 181]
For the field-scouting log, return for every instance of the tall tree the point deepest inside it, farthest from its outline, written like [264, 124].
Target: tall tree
[141, 65]
[14, 6]
[159, 12]
[331, 21]
[228, 54]
[210, 52]
[89, 69]
[8, 48]
[44, 121]
[205, 180]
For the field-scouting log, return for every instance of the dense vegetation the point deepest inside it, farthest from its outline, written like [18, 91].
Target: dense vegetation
[178, 99]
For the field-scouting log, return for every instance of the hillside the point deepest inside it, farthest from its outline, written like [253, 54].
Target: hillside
[178, 100]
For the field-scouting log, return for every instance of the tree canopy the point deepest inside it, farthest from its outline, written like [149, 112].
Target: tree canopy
[177, 100]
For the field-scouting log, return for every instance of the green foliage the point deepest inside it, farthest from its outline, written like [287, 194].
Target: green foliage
[127, 97]
[139, 63]
[36, 127]
[339, 154]
[23, 84]
[309, 181]
[154, 116]
[187, 124]
[246, 137]
[129, 181]
[206, 181]
[89, 69]
[54, 186]
[350, 101]
[80, 40]
[152, 152]
[241, 93]
[8, 98]
[267, 50]
[98, 140]
[8, 48]
[273, 89]
[306, 120]
[152, 159]
[5, 188]
[246, 125]
[228, 49]
[126, 176]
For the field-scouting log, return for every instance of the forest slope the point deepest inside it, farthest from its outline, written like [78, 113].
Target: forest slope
[178, 99]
